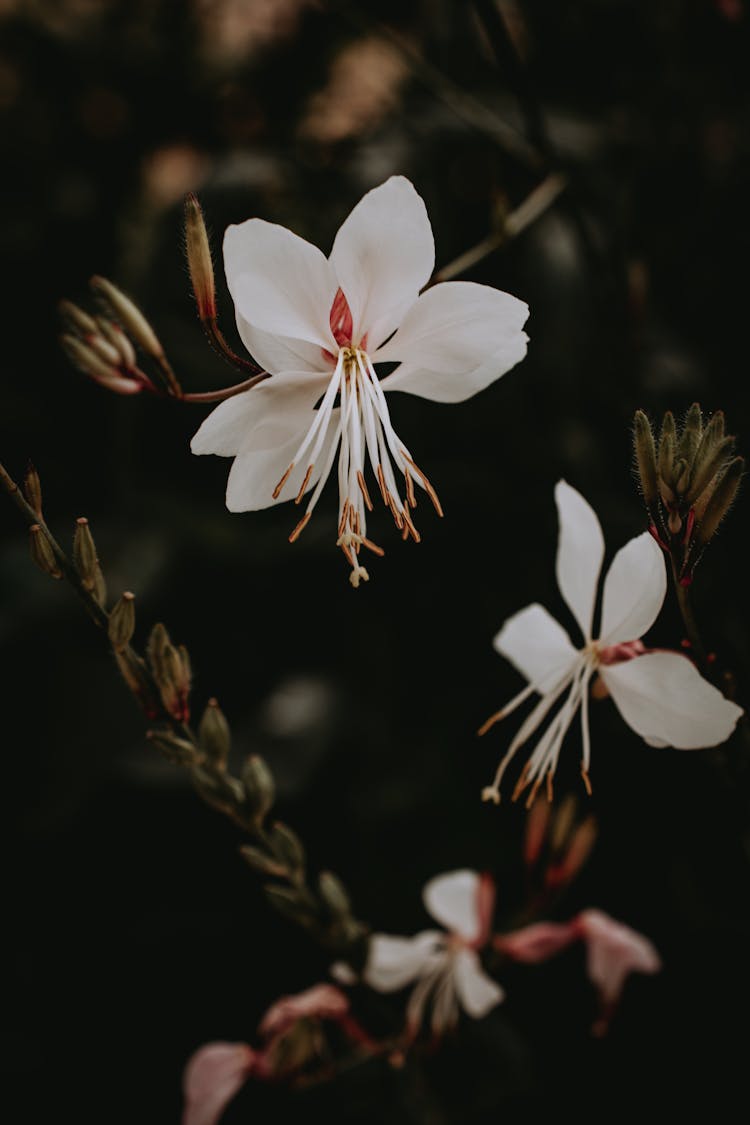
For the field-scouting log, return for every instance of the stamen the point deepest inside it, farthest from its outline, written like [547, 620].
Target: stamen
[426, 484]
[372, 547]
[363, 489]
[550, 790]
[586, 781]
[410, 490]
[277, 490]
[381, 482]
[508, 709]
[304, 484]
[344, 514]
[410, 526]
[300, 527]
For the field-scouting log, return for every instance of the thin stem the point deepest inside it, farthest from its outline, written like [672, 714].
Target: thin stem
[535, 204]
[689, 621]
[227, 392]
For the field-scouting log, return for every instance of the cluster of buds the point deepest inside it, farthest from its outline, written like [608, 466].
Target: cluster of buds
[688, 480]
[103, 346]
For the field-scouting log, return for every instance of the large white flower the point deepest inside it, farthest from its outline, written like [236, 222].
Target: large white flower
[320, 326]
[445, 966]
[661, 695]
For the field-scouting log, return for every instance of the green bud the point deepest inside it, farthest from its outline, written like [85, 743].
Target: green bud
[122, 622]
[709, 462]
[75, 318]
[133, 671]
[214, 734]
[42, 553]
[260, 790]
[720, 501]
[157, 641]
[690, 437]
[645, 454]
[287, 846]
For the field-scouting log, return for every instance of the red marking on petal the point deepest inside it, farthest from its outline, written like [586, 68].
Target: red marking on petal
[485, 909]
[341, 320]
[616, 654]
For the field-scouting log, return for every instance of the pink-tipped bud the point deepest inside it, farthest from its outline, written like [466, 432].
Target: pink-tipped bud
[199, 259]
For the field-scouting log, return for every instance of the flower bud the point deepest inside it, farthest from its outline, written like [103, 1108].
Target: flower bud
[42, 553]
[32, 490]
[133, 672]
[122, 622]
[76, 319]
[129, 315]
[117, 338]
[287, 846]
[260, 789]
[214, 734]
[291, 903]
[263, 863]
[84, 553]
[334, 895]
[199, 259]
[645, 453]
[176, 750]
[692, 431]
[720, 501]
[89, 362]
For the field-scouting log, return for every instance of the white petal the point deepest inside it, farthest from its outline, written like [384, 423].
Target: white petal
[383, 254]
[456, 340]
[477, 992]
[453, 901]
[256, 472]
[634, 591]
[280, 283]
[580, 550]
[663, 697]
[269, 414]
[279, 354]
[537, 646]
[392, 962]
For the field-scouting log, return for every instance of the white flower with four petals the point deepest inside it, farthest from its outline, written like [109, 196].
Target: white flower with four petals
[321, 326]
[661, 695]
[445, 965]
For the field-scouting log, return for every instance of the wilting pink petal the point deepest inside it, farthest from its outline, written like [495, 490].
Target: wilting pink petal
[612, 952]
[322, 1000]
[212, 1077]
[537, 942]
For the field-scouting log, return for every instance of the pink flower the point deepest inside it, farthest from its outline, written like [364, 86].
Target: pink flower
[613, 951]
[216, 1071]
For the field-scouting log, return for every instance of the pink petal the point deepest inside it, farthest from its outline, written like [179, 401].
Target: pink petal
[322, 1000]
[212, 1077]
[613, 951]
[537, 942]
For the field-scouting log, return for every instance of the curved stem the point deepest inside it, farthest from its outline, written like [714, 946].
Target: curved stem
[690, 623]
[227, 392]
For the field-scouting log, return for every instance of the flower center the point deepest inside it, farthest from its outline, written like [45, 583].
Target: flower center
[353, 419]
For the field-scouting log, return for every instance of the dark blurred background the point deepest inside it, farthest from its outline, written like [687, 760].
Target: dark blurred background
[135, 931]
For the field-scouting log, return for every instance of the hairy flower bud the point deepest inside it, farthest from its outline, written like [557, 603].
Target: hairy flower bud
[287, 846]
[199, 259]
[645, 453]
[86, 561]
[720, 502]
[177, 750]
[334, 895]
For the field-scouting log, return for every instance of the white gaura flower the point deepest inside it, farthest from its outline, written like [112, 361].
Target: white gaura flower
[444, 965]
[661, 695]
[321, 326]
